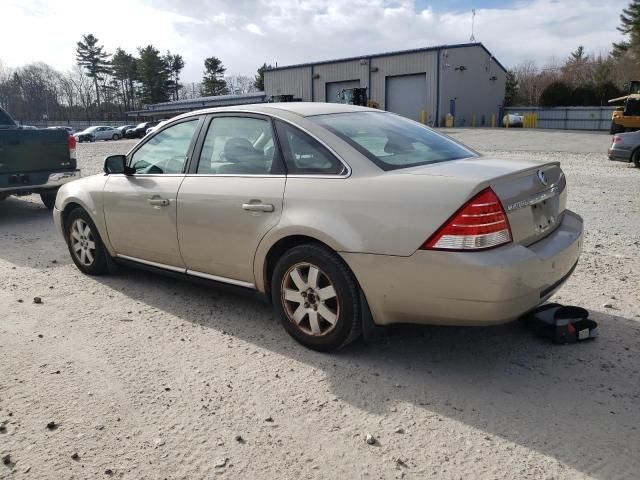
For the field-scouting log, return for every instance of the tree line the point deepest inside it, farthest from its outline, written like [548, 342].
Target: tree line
[104, 86]
[581, 79]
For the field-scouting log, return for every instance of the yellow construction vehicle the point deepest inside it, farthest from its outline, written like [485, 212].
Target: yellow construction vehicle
[626, 118]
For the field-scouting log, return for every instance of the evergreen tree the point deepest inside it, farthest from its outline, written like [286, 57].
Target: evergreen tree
[259, 79]
[153, 75]
[511, 89]
[125, 71]
[556, 94]
[578, 55]
[175, 64]
[213, 82]
[630, 27]
[95, 61]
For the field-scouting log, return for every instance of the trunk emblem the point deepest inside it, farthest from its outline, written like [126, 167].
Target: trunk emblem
[542, 177]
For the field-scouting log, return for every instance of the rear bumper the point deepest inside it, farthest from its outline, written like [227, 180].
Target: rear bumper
[468, 288]
[619, 155]
[36, 181]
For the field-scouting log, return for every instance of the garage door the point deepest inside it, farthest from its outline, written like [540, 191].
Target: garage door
[406, 95]
[333, 89]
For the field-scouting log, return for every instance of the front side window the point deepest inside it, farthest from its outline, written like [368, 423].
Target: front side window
[304, 155]
[391, 141]
[165, 152]
[238, 146]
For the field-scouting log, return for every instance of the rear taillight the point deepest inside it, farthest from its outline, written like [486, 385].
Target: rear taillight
[72, 147]
[480, 224]
[617, 139]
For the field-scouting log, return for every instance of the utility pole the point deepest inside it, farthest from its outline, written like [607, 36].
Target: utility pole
[473, 18]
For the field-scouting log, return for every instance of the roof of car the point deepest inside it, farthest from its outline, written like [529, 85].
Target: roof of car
[304, 109]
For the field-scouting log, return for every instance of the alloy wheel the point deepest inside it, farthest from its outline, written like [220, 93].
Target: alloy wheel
[83, 242]
[310, 299]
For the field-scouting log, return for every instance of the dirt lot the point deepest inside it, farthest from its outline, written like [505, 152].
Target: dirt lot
[147, 378]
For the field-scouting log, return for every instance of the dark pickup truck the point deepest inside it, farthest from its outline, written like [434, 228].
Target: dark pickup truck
[35, 161]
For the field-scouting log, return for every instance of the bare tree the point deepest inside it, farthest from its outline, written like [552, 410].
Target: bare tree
[240, 84]
[84, 88]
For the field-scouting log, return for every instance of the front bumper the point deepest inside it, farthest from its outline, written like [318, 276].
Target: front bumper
[57, 220]
[36, 181]
[468, 288]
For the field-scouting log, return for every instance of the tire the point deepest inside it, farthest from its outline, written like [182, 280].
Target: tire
[49, 198]
[92, 139]
[115, 137]
[337, 316]
[635, 158]
[76, 235]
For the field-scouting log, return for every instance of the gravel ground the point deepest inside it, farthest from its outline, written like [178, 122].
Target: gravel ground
[146, 377]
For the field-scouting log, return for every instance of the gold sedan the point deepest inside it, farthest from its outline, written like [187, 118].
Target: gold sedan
[338, 214]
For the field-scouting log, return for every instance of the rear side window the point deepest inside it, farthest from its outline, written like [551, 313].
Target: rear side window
[391, 141]
[238, 146]
[304, 155]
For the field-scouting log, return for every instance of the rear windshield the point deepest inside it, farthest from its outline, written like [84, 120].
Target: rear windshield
[392, 142]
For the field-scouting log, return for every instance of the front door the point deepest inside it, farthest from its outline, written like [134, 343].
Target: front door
[232, 198]
[140, 209]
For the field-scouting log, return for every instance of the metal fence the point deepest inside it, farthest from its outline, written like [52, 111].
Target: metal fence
[569, 118]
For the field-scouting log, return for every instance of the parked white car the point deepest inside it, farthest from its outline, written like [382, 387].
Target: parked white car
[153, 129]
[98, 132]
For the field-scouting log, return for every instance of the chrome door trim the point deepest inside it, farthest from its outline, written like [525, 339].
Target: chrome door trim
[216, 278]
[193, 273]
[152, 264]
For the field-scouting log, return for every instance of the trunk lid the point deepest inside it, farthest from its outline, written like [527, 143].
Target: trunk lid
[24, 151]
[533, 194]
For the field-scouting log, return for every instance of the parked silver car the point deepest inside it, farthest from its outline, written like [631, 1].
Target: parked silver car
[337, 214]
[98, 132]
[625, 147]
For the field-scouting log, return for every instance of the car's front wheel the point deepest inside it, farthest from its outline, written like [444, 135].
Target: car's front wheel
[316, 297]
[84, 242]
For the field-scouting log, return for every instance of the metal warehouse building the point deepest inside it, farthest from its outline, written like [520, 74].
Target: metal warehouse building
[423, 84]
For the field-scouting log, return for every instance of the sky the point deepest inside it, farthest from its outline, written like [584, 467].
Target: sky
[246, 33]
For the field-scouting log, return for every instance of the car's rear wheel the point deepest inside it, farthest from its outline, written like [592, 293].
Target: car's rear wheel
[316, 297]
[635, 158]
[115, 137]
[49, 198]
[84, 242]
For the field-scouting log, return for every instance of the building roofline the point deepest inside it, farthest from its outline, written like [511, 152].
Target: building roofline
[388, 54]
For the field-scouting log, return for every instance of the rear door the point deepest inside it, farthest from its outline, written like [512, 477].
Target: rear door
[140, 209]
[231, 198]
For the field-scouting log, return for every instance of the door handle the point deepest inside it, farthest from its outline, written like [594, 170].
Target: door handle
[158, 202]
[258, 207]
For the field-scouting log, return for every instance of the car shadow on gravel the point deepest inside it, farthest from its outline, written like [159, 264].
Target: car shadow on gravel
[16, 211]
[576, 403]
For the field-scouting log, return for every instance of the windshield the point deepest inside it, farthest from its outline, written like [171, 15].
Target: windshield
[390, 141]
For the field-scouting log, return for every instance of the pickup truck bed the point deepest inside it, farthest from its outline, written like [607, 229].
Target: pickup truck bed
[35, 161]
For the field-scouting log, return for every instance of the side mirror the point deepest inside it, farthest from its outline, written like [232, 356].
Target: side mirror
[116, 164]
